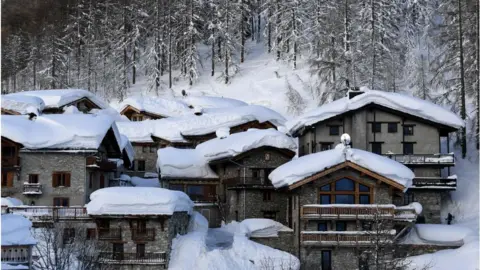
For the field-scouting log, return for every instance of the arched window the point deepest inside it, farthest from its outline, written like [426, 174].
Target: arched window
[345, 191]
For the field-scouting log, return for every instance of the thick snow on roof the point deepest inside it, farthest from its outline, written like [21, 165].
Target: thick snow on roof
[305, 166]
[241, 142]
[9, 201]
[212, 102]
[183, 163]
[156, 105]
[60, 97]
[126, 146]
[23, 104]
[16, 231]
[138, 201]
[58, 131]
[400, 102]
[210, 121]
[6, 266]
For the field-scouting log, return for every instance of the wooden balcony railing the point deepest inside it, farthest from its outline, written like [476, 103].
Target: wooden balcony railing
[32, 188]
[434, 182]
[248, 181]
[426, 159]
[345, 238]
[10, 162]
[342, 211]
[110, 234]
[104, 165]
[405, 213]
[50, 213]
[132, 258]
[147, 234]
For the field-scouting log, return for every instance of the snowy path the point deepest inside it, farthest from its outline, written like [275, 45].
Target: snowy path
[218, 239]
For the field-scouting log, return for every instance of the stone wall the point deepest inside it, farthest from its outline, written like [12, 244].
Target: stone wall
[283, 242]
[431, 203]
[341, 258]
[143, 152]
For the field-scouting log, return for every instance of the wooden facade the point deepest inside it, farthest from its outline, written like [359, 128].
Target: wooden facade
[134, 114]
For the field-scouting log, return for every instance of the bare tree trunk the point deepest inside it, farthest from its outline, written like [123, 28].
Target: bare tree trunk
[463, 111]
[347, 45]
[213, 36]
[372, 3]
[242, 32]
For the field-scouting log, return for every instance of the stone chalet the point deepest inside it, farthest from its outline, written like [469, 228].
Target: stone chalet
[411, 131]
[17, 242]
[60, 159]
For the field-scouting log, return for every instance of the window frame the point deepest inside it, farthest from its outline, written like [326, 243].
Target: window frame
[407, 131]
[326, 264]
[376, 127]
[61, 179]
[377, 144]
[344, 226]
[390, 128]
[267, 195]
[324, 223]
[61, 201]
[407, 152]
[332, 128]
[141, 161]
[356, 191]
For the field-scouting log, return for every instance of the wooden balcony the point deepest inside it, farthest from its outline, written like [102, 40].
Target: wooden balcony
[147, 234]
[10, 162]
[32, 189]
[405, 214]
[50, 213]
[424, 159]
[133, 258]
[449, 183]
[93, 162]
[109, 234]
[248, 182]
[345, 238]
[347, 212]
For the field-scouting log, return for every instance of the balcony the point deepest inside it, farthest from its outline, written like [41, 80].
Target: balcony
[449, 183]
[93, 162]
[50, 213]
[426, 159]
[132, 258]
[347, 212]
[147, 234]
[10, 162]
[32, 189]
[110, 234]
[248, 182]
[345, 238]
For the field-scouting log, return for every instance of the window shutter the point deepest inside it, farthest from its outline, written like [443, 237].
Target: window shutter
[10, 179]
[54, 180]
[67, 179]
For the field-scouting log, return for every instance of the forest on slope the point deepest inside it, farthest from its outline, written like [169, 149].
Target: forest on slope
[427, 48]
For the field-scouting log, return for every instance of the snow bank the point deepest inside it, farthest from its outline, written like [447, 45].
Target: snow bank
[414, 205]
[6, 266]
[137, 201]
[60, 97]
[263, 227]
[442, 232]
[160, 106]
[9, 201]
[145, 182]
[197, 223]
[212, 102]
[16, 231]
[183, 163]
[23, 104]
[242, 142]
[305, 166]
[400, 102]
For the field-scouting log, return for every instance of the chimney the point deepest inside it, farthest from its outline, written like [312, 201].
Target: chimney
[222, 132]
[197, 110]
[353, 92]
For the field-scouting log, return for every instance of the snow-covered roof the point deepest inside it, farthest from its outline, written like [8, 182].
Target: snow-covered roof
[305, 166]
[183, 163]
[126, 146]
[138, 201]
[60, 97]
[212, 102]
[242, 142]
[58, 131]
[23, 104]
[6, 266]
[16, 231]
[9, 201]
[174, 128]
[160, 106]
[395, 101]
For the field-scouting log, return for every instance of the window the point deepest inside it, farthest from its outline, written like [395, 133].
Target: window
[201, 193]
[178, 187]
[326, 146]
[345, 191]
[118, 251]
[90, 180]
[91, 233]
[314, 149]
[236, 215]
[270, 215]
[144, 149]
[61, 202]
[367, 225]
[340, 226]
[68, 235]
[61, 179]
[322, 227]
[392, 128]
[377, 148]
[7, 179]
[267, 195]
[408, 198]
[326, 260]
[334, 130]
[255, 173]
[153, 149]
[8, 151]
[408, 130]
[140, 251]
[376, 127]
[102, 181]
[408, 148]
[140, 165]
[33, 178]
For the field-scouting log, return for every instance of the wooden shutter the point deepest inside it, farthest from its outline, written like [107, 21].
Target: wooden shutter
[55, 179]
[67, 179]
[10, 179]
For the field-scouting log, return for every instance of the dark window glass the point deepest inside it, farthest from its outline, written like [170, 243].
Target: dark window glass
[196, 193]
[325, 146]
[408, 130]
[408, 198]
[334, 130]
[33, 178]
[326, 260]
[377, 148]
[141, 165]
[270, 215]
[175, 187]
[118, 251]
[267, 195]
[376, 127]
[325, 199]
[61, 202]
[322, 226]
[8, 151]
[392, 127]
[364, 199]
[325, 188]
[255, 173]
[408, 148]
[345, 185]
[344, 199]
[366, 226]
[363, 188]
[340, 226]
[140, 251]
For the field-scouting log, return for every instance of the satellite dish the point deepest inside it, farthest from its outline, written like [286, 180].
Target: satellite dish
[345, 139]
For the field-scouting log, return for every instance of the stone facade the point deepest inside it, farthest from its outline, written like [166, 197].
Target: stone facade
[431, 202]
[147, 153]
[283, 242]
